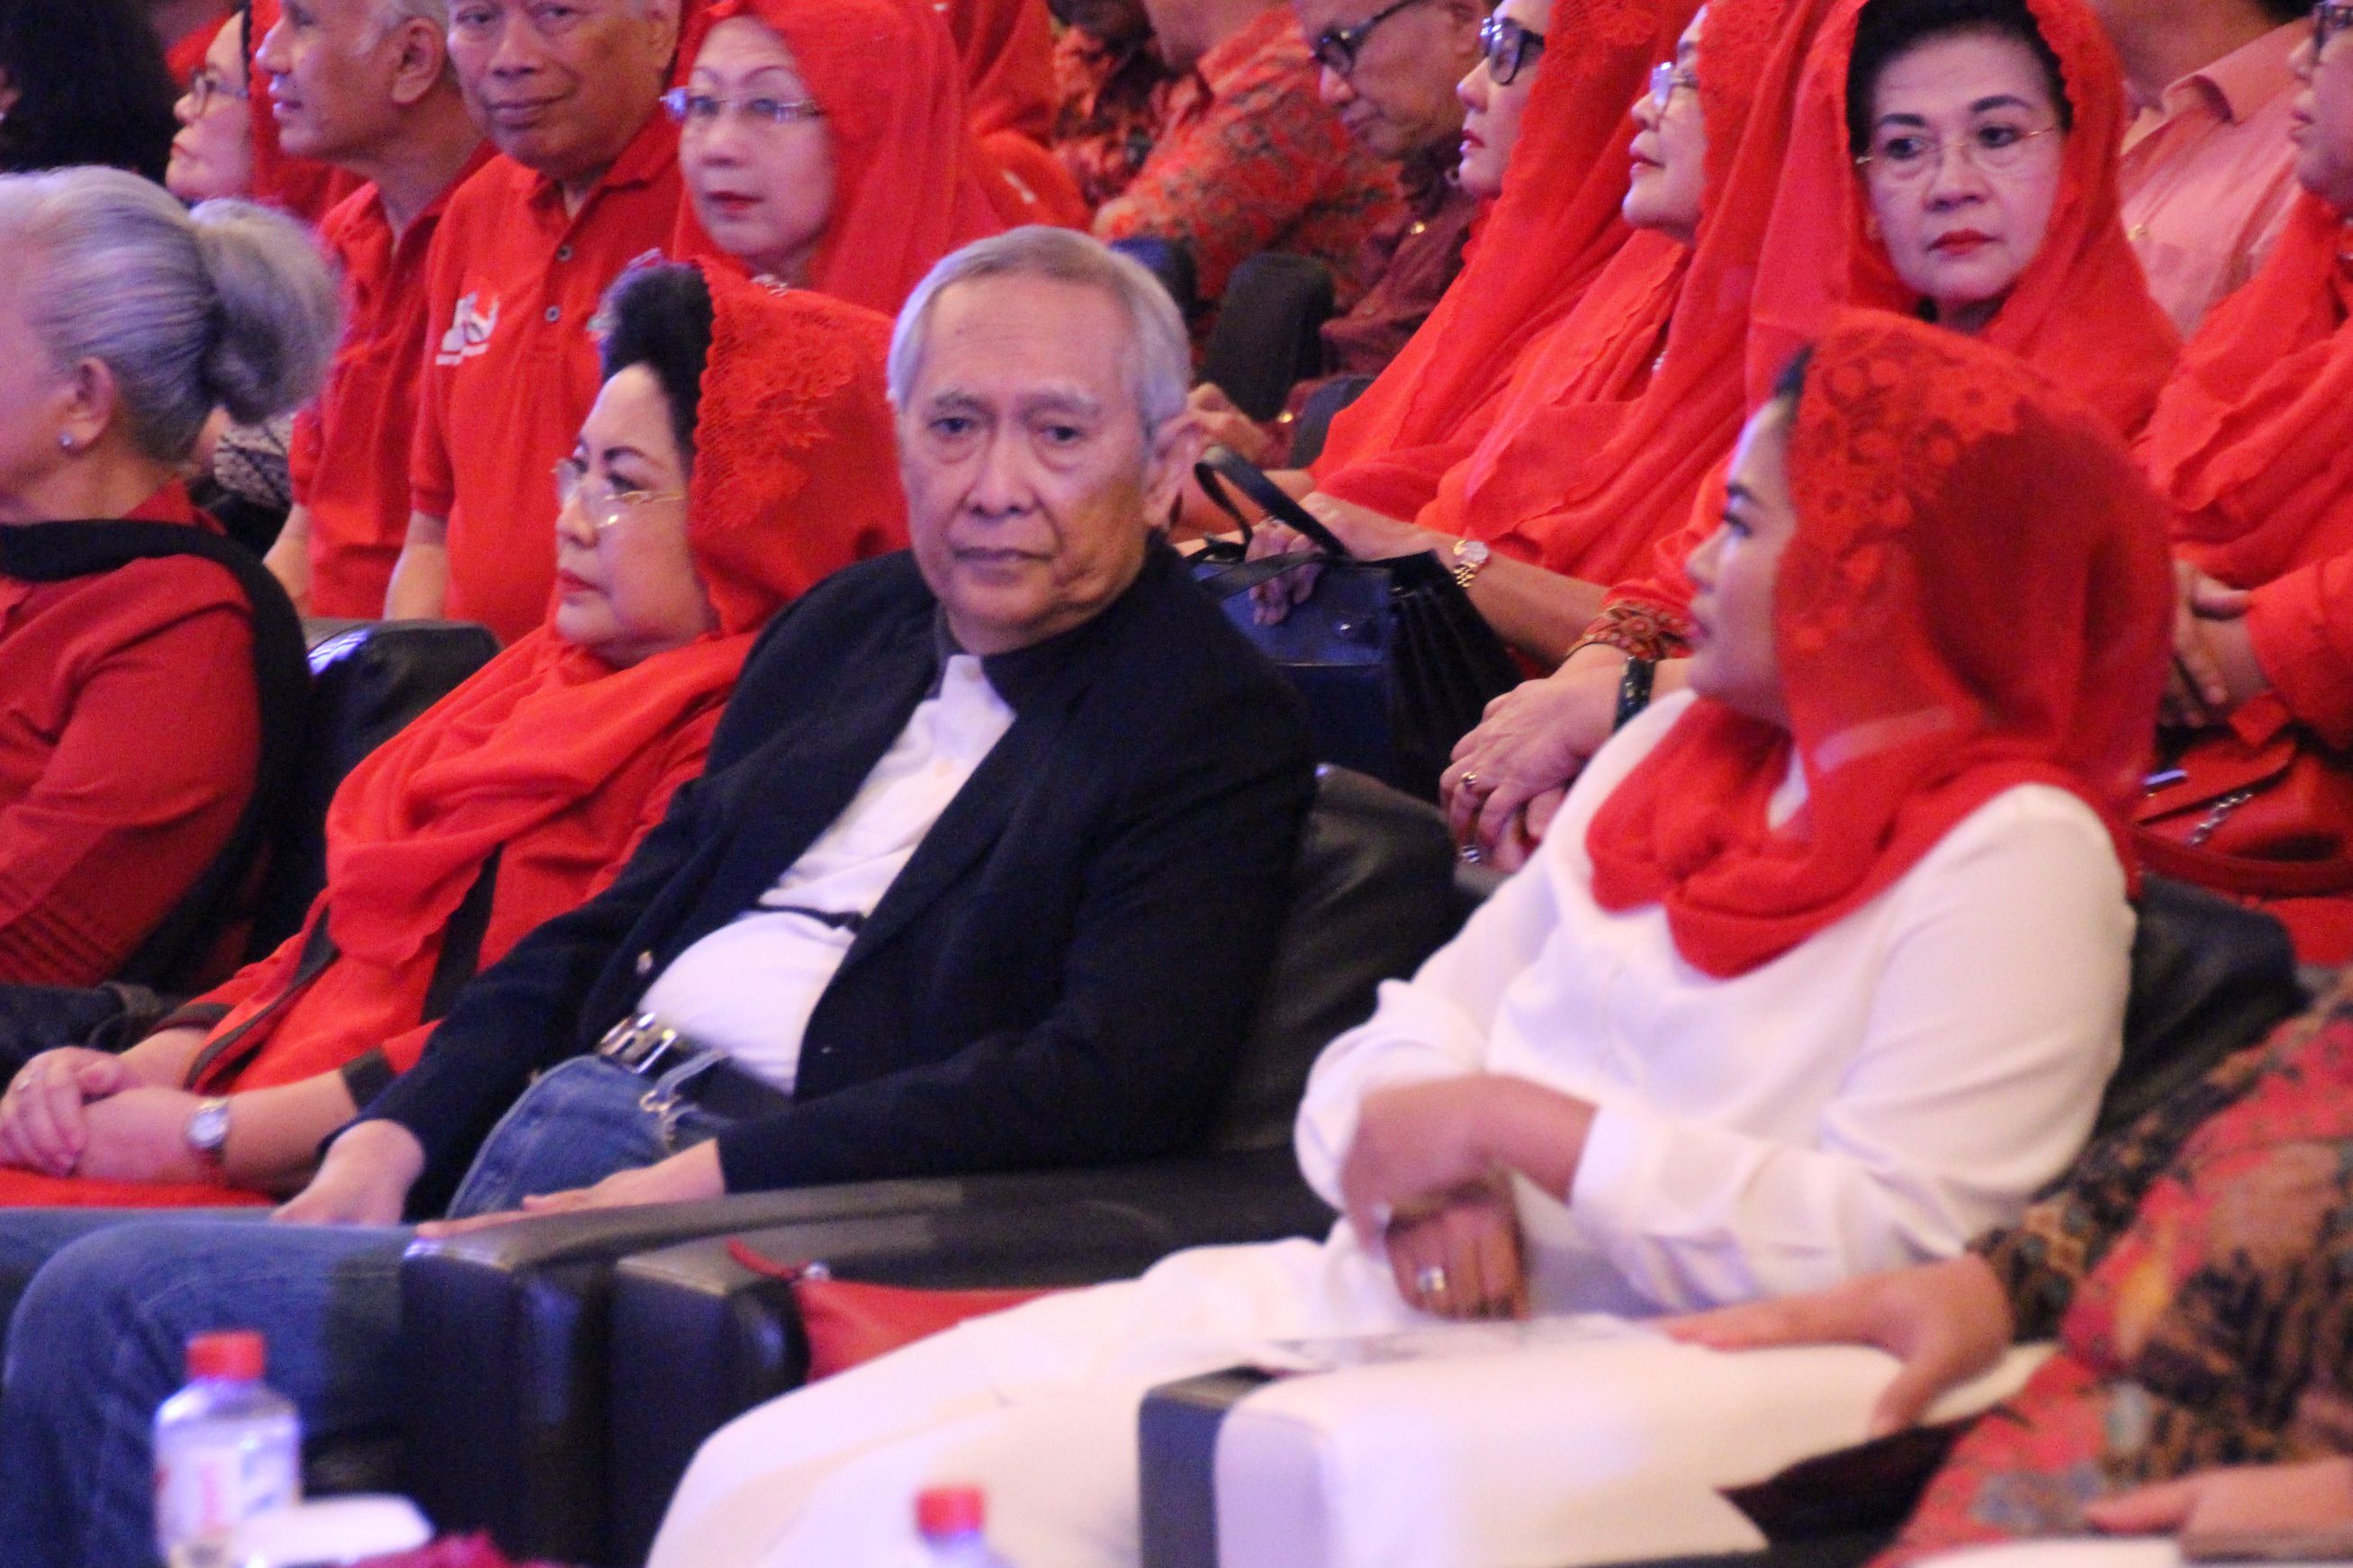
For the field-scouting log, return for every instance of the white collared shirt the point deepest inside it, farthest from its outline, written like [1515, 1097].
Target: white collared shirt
[749, 987]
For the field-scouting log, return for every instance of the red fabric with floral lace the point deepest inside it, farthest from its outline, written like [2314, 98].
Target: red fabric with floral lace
[2210, 1331]
[1250, 159]
[1615, 415]
[2081, 312]
[909, 184]
[549, 755]
[1530, 260]
[1945, 496]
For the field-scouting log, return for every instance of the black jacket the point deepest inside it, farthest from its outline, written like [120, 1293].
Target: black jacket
[1062, 974]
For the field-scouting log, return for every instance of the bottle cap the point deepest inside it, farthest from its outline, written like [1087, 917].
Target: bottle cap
[234, 1355]
[950, 1510]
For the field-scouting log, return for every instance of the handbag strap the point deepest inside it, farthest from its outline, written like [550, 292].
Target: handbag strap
[1223, 465]
[462, 941]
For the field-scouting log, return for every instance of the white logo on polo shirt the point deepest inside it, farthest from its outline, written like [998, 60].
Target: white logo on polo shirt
[470, 331]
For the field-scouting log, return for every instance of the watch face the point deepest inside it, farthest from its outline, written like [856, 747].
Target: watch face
[208, 1128]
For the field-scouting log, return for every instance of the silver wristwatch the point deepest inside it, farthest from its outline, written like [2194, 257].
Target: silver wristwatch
[208, 1129]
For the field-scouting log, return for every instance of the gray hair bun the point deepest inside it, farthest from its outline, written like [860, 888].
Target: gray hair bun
[276, 315]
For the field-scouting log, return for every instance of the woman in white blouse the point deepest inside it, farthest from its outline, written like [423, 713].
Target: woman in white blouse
[1820, 972]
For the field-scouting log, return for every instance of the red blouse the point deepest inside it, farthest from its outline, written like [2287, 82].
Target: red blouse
[129, 734]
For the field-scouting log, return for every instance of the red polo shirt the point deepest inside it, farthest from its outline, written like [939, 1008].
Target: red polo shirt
[509, 368]
[349, 457]
[130, 732]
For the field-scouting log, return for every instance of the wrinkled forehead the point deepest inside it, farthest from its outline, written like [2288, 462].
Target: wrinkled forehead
[1022, 341]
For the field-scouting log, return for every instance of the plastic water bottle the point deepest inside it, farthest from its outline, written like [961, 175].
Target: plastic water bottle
[226, 1445]
[950, 1519]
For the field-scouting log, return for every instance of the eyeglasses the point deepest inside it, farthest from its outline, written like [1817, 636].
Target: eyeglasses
[703, 111]
[2329, 18]
[1509, 48]
[601, 504]
[1336, 49]
[1906, 156]
[1664, 80]
[209, 84]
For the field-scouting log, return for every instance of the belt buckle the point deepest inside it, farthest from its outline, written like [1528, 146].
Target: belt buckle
[637, 1044]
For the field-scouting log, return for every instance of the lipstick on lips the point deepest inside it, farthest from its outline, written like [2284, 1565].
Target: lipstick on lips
[1960, 242]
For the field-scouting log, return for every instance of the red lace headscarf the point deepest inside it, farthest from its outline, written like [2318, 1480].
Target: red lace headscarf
[2252, 441]
[1977, 596]
[907, 178]
[1596, 453]
[1544, 241]
[2081, 312]
[795, 475]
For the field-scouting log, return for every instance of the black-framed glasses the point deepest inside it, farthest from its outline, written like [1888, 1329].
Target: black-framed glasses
[703, 111]
[1336, 49]
[1665, 78]
[209, 84]
[2329, 18]
[1509, 49]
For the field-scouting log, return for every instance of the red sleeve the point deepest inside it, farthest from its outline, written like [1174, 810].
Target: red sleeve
[2301, 625]
[146, 782]
[432, 486]
[1236, 178]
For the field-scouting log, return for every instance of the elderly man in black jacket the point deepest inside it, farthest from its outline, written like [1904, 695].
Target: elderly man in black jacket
[988, 855]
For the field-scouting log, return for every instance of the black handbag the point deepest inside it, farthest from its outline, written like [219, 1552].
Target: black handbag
[1394, 663]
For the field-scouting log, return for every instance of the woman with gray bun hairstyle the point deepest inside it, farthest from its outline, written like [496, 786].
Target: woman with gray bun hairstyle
[150, 673]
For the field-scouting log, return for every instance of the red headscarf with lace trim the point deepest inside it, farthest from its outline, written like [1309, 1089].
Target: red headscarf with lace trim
[795, 475]
[2252, 441]
[907, 178]
[1596, 451]
[1544, 241]
[1945, 496]
[2081, 312]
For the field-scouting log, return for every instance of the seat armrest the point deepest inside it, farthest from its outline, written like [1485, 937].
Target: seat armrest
[505, 1332]
[698, 1339]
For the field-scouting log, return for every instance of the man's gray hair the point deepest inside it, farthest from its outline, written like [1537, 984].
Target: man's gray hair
[1160, 359]
[391, 14]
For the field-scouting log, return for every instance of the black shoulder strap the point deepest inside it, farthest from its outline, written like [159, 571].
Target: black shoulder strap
[55, 552]
[1222, 465]
[462, 941]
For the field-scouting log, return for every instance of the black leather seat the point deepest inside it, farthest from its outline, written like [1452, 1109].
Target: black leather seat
[1267, 331]
[512, 1337]
[1170, 261]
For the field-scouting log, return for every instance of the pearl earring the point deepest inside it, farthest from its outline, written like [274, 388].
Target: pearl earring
[66, 441]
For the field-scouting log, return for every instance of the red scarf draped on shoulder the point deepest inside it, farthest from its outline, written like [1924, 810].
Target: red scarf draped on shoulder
[795, 475]
[2252, 441]
[1531, 258]
[2081, 312]
[1616, 414]
[1945, 497]
[908, 181]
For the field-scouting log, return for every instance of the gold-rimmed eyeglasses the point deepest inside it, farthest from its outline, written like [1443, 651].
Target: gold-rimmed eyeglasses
[1904, 156]
[703, 111]
[600, 503]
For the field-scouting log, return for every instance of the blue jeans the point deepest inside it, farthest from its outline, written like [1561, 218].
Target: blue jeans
[101, 1304]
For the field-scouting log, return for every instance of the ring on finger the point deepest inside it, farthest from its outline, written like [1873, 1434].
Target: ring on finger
[1430, 1283]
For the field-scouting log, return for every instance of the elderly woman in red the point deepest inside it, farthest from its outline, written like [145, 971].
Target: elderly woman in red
[132, 732]
[824, 145]
[1951, 159]
[740, 451]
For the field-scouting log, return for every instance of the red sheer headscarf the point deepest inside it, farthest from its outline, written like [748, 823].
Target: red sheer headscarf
[1596, 452]
[907, 178]
[795, 475]
[1008, 50]
[1544, 241]
[2081, 312]
[1945, 497]
[2253, 439]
